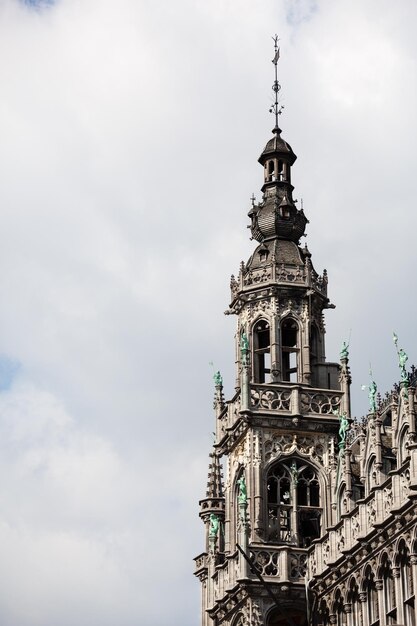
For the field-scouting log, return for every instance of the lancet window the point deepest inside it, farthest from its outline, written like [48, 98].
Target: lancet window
[262, 352]
[390, 603]
[339, 609]
[314, 345]
[407, 584]
[293, 500]
[355, 603]
[323, 614]
[289, 342]
[372, 597]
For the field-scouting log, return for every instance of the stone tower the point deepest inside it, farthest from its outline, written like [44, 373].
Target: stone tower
[277, 440]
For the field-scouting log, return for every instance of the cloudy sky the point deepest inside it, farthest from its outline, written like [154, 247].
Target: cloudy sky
[130, 133]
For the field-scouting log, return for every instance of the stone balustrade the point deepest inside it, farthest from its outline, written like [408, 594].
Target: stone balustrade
[293, 400]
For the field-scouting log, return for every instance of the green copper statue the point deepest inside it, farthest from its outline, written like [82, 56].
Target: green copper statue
[344, 351]
[343, 427]
[218, 380]
[402, 360]
[214, 525]
[372, 396]
[243, 494]
[244, 347]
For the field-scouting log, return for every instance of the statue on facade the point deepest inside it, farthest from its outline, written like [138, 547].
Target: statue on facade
[218, 380]
[343, 427]
[214, 525]
[372, 396]
[344, 351]
[243, 493]
[244, 347]
[402, 360]
[294, 472]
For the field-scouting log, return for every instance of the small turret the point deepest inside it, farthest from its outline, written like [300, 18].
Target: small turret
[213, 505]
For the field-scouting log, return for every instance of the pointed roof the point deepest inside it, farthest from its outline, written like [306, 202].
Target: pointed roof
[215, 476]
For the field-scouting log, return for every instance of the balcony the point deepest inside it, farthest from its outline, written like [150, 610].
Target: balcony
[294, 400]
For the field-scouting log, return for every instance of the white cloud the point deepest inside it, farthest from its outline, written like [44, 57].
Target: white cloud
[130, 134]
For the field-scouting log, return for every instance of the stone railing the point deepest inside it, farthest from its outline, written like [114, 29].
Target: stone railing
[257, 276]
[272, 398]
[320, 402]
[281, 563]
[293, 400]
[294, 275]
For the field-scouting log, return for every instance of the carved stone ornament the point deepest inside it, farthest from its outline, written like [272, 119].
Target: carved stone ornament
[276, 444]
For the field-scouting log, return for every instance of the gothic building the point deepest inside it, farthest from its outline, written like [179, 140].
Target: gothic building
[314, 519]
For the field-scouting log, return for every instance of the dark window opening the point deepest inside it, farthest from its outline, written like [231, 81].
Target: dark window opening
[314, 347]
[262, 352]
[281, 618]
[407, 584]
[263, 255]
[270, 170]
[390, 604]
[289, 339]
[372, 604]
[387, 421]
[293, 498]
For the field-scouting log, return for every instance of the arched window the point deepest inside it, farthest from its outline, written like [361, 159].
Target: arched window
[407, 584]
[372, 593]
[372, 475]
[343, 502]
[279, 491]
[339, 609]
[390, 603]
[403, 447]
[262, 352]
[270, 169]
[282, 616]
[289, 342]
[355, 603]
[294, 507]
[323, 614]
[238, 621]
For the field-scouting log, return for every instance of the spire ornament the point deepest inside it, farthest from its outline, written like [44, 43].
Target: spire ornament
[276, 108]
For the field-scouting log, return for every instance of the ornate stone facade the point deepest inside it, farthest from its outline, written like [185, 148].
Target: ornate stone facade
[363, 570]
[313, 521]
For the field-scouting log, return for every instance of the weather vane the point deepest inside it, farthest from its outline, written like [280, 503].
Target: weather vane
[276, 108]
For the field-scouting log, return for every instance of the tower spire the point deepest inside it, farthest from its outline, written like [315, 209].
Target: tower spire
[276, 109]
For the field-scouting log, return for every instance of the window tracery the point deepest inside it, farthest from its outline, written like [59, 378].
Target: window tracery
[293, 500]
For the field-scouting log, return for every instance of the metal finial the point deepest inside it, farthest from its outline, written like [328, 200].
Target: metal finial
[276, 109]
